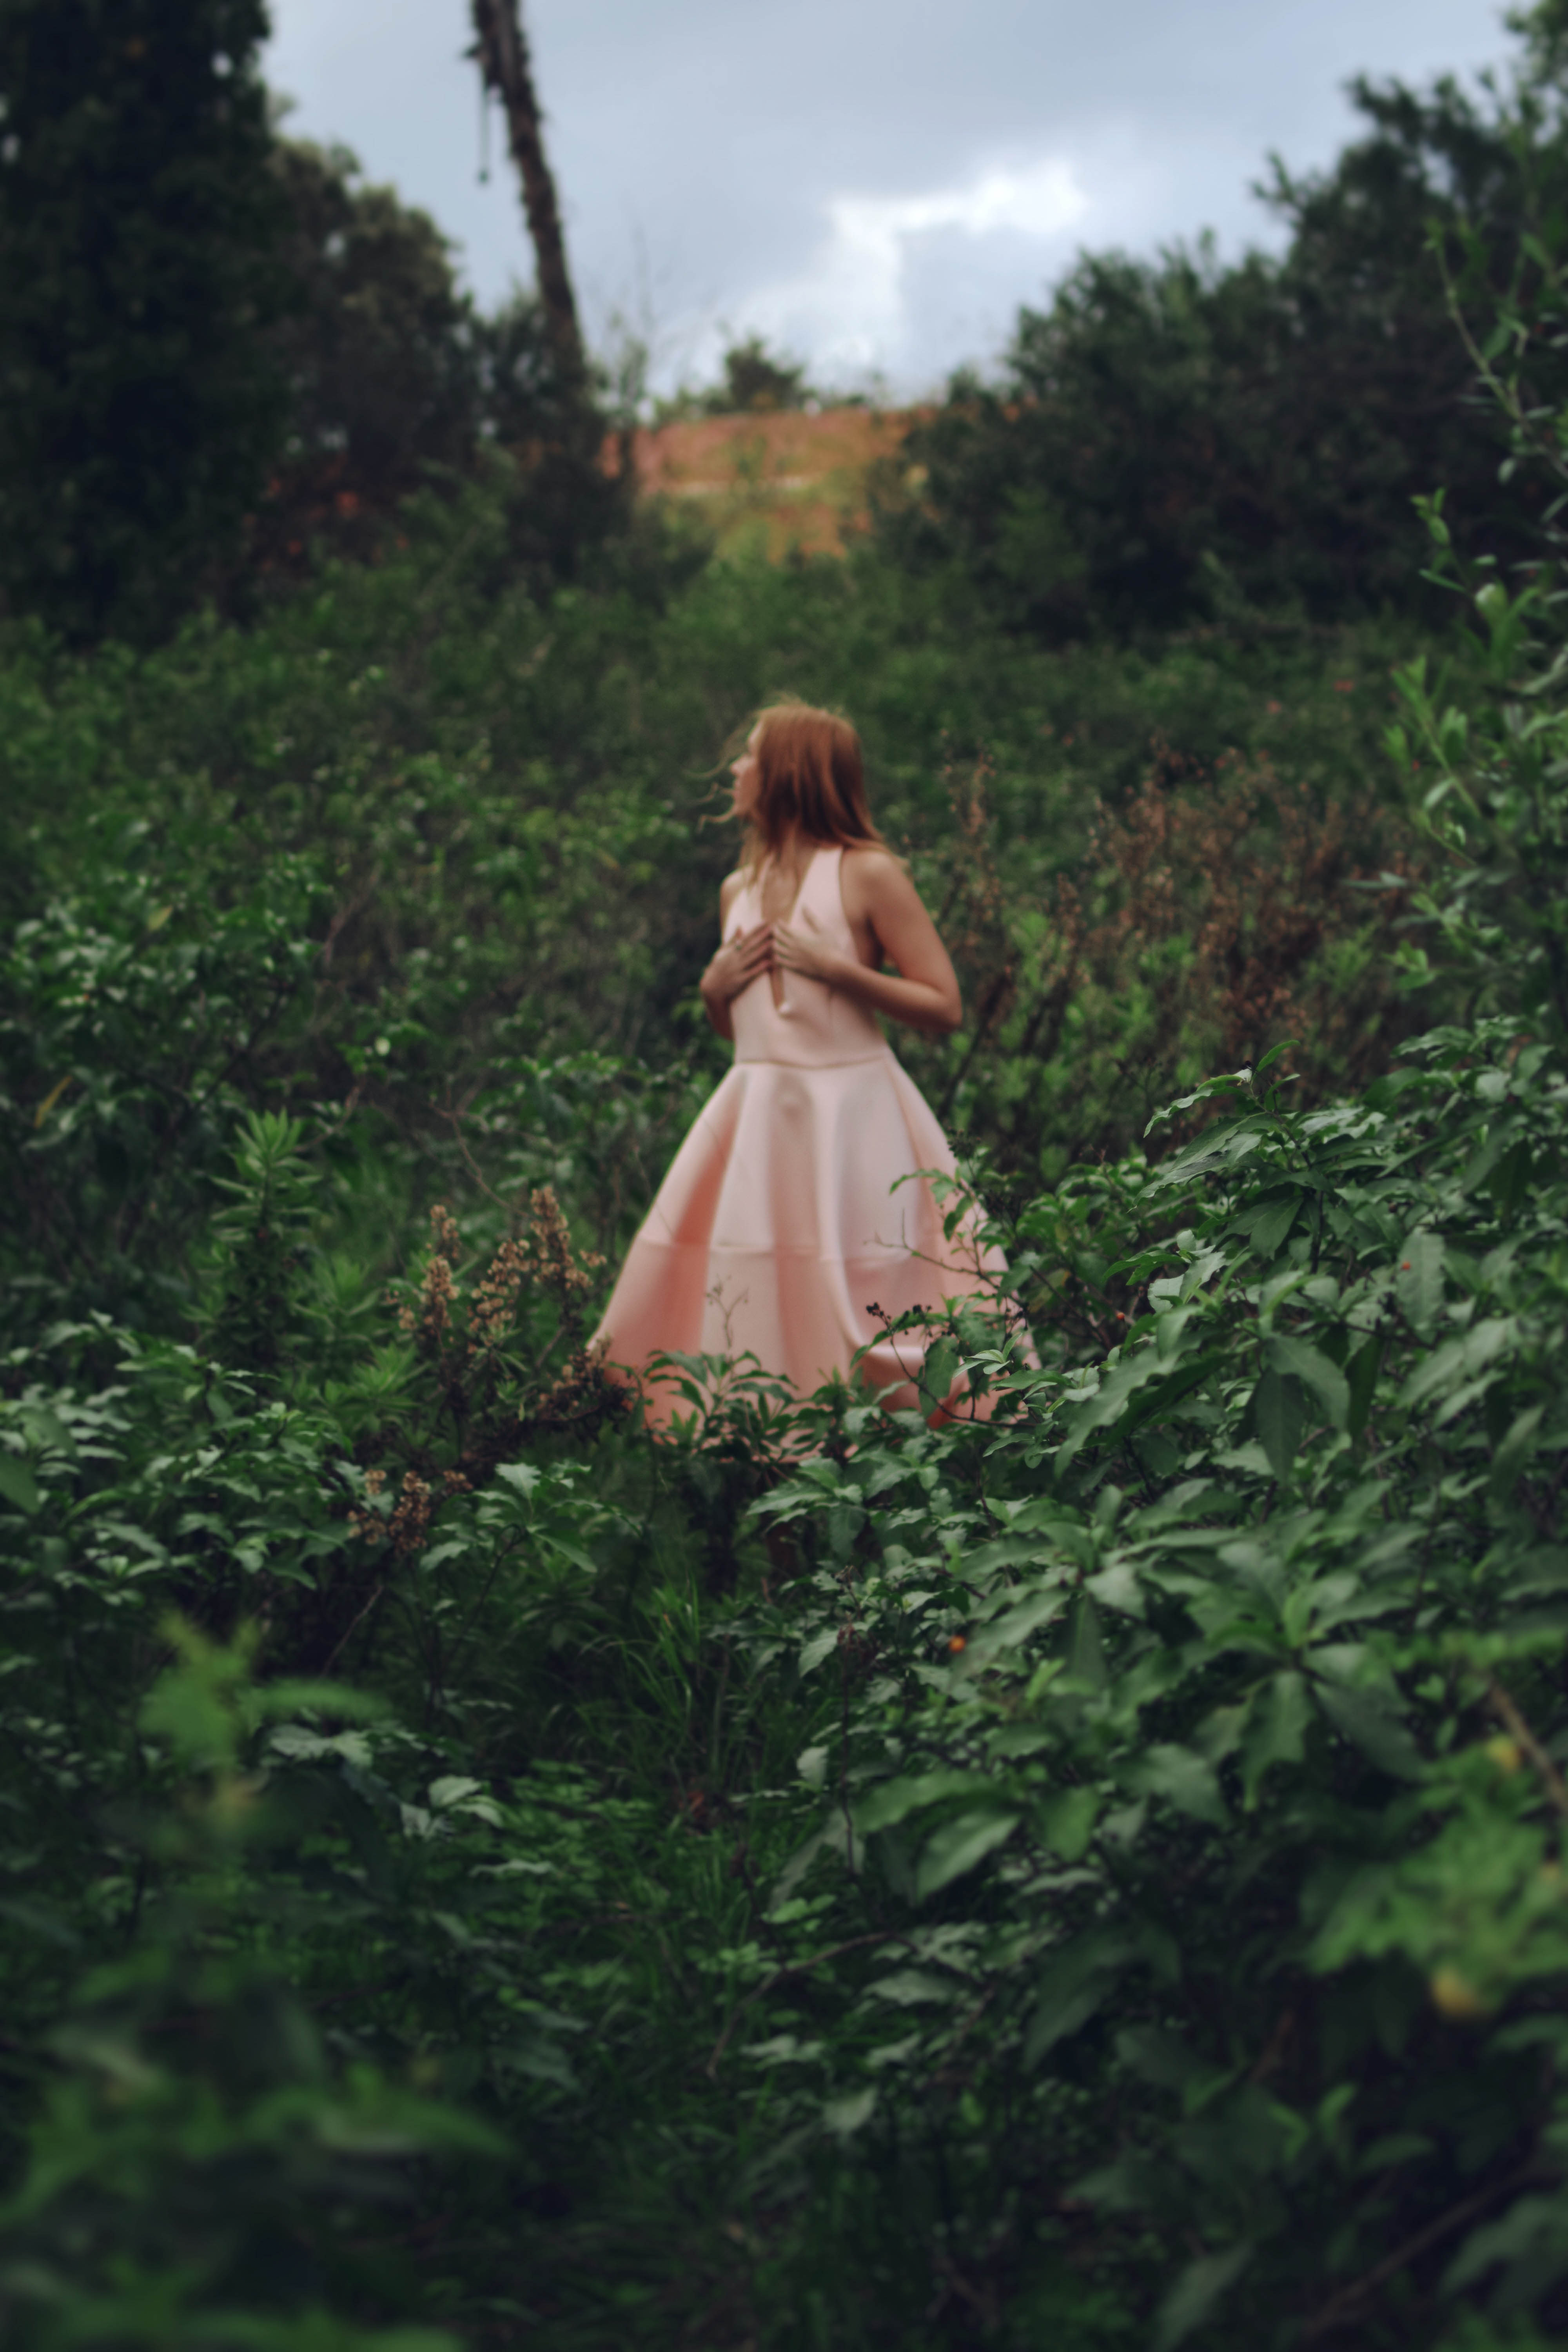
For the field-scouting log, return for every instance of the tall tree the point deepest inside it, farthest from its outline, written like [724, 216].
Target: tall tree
[139, 227]
[381, 352]
[507, 70]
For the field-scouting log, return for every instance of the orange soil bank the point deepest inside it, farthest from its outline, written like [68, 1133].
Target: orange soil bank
[773, 482]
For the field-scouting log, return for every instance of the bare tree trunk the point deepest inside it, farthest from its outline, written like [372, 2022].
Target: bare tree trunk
[505, 67]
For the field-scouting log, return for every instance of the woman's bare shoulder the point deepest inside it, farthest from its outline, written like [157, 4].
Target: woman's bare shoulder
[872, 871]
[729, 891]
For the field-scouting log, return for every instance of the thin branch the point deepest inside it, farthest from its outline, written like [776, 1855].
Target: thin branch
[339, 1645]
[1339, 2309]
[1509, 1715]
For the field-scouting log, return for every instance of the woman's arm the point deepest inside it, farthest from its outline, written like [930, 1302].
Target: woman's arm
[734, 963]
[884, 911]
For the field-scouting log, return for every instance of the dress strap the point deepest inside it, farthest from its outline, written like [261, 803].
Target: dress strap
[823, 881]
[819, 890]
[741, 917]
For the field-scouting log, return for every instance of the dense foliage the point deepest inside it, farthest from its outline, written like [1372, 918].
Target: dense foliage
[222, 354]
[139, 226]
[1097, 1871]
[473, 1875]
[409, 831]
[397, 380]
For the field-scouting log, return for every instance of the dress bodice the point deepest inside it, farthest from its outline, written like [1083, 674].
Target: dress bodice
[784, 1017]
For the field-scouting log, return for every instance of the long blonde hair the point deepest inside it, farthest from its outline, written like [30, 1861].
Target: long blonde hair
[810, 775]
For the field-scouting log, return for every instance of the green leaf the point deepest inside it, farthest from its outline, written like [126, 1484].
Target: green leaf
[1509, 1183]
[915, 1987]
[1446, 1370]
[1528, 2238]
[1158, 1457]
[1361, 1378]
[1117, 1587]
[1086, 1650]
[1184, 1779]
[1058, 2019]
[844, 1523]
[1381, 1736]
[1073, 1986]
[520, 1477]
[1277, 1733]
[912, 1792]
[563, 1547]
[1119, 1384]
[451, 1788]
[1198, 2295]
[17, 1484]
[1418, 1281]
[439, 1553]
[1067, 1821]
[846, 2116]
[1015, 1625]
[1270, 1228]
[1501, 1141]
[1307, 1364]
[1231, 1082]
[1515, 1450]
[957, 1846]
[1163, 2059]
[938, 1373]
[47, 1432]
[296, 1694]
[1279, 1413]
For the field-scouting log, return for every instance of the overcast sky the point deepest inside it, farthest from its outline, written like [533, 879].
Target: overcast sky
[875, 184]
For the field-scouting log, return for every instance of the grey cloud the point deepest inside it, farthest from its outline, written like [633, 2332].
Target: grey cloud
[699, 143]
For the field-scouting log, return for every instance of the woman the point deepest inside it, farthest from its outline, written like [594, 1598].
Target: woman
[778, 1231]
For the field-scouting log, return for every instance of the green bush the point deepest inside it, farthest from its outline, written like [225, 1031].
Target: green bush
[1187, 440]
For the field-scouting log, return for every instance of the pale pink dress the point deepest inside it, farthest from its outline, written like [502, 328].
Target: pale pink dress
[778, 1227]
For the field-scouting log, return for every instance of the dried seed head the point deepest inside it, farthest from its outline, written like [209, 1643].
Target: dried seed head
[412, 1516]
[436, 1293]
[494, 1308]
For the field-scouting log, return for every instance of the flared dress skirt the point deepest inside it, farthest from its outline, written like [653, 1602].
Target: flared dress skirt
[796, 1204]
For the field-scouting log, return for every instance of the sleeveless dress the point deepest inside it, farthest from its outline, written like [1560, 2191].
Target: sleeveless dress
[778, 1227]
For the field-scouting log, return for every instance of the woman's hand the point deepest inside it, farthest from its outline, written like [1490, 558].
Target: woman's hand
[807, 952]
[734, 965]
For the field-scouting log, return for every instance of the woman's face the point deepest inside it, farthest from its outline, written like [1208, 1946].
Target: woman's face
[747, 775]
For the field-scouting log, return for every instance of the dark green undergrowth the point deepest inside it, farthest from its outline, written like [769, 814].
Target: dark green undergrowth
[1089, 1871]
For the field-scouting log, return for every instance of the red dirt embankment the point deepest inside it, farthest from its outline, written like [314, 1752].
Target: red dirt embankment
[773, 481]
